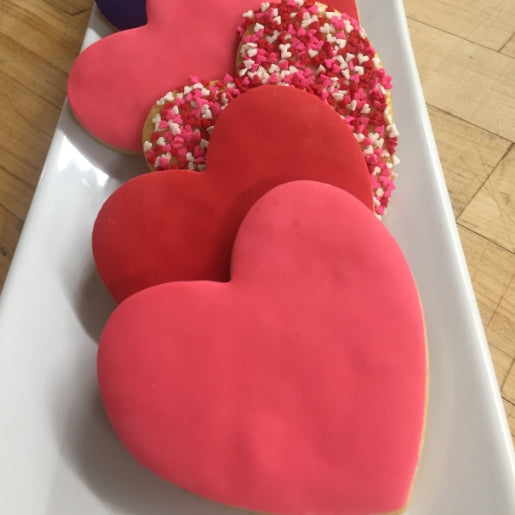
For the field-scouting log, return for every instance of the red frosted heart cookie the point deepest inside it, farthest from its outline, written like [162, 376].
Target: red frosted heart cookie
[180, 225]
[113, 83]
[297, 387]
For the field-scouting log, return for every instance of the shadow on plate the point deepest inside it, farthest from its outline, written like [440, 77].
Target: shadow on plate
[117, 165]
[93, 451]
[93, 302]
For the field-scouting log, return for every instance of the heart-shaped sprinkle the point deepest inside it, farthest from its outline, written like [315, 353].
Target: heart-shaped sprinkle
[299, 386]
[180, 225]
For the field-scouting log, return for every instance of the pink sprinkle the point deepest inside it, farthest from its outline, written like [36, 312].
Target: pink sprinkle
[163, 161]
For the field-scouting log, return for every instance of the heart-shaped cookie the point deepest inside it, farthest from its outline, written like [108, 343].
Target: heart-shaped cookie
[114, 82]
[180, 225]
[297, 387]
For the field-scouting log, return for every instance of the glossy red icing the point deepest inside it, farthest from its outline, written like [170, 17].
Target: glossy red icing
[180, 225]
[297, 387]
[114, 82]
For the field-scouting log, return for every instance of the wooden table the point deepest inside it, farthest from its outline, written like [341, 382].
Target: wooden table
[465, 51]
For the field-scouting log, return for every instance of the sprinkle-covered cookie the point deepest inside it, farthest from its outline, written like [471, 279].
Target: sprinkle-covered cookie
[306, 45]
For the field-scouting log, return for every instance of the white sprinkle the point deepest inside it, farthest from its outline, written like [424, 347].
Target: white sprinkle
[169, 97]
[161, 141]
[251, 52]
[379, 192]
[263, 74]
[326, 28]
[147, 146]
[392, 130]
[365, 109]
[312, 52]
[349, 56]
[258, 27]
[265, 6]
[248, 14]
[352, 105]
[175, 128]
[271, 39]
[341, 61]
[284, 51]
[363, 58]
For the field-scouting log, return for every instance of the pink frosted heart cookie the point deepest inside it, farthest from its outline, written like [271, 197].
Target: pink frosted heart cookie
[297, 387]
[114, 81]
[306, 45]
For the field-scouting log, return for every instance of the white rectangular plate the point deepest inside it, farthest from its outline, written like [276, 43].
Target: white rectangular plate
[58, 454]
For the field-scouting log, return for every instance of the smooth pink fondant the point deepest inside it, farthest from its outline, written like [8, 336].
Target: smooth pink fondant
[180, 225]
[114, 82]
[297, 387]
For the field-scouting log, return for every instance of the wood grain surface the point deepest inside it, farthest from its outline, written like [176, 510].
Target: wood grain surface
[465, 52]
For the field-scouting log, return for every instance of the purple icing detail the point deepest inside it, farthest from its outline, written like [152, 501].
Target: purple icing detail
[124, 14]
